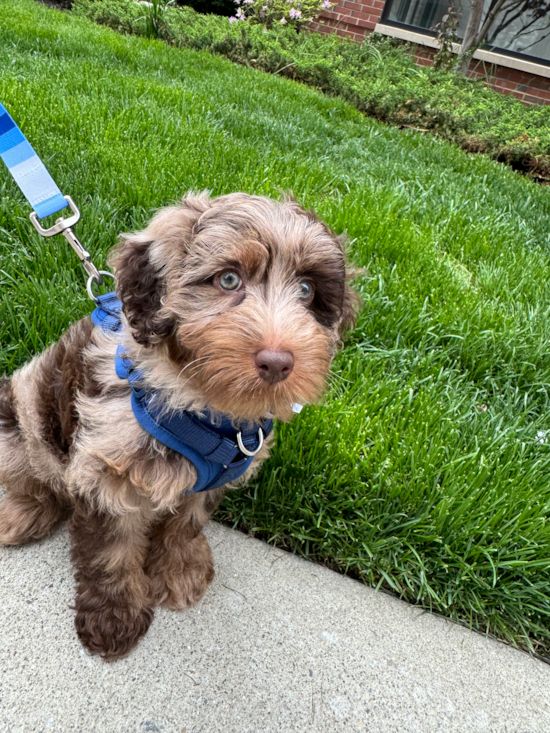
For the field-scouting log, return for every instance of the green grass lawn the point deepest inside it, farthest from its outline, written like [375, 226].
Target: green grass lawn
[378, 76]
[427, 470]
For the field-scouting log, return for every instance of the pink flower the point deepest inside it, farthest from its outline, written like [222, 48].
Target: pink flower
[240, 14]
[261, 14]
[283, 21]
[326, 3]
[248, 2]
[295, 14]
[232, 19]
[265, 29]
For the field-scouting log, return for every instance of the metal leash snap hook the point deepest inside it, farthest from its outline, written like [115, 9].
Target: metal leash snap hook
[63, 226]
[98, 281]
[248, 452]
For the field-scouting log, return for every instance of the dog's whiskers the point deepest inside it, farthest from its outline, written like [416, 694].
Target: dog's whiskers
[201, 358]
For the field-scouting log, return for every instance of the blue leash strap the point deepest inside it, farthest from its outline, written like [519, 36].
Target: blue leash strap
[28, 170]
[42, 193]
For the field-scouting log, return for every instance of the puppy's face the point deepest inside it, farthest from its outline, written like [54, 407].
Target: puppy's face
[246, 295]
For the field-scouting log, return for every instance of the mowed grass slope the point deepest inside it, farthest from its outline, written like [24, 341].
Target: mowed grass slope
[427, 470]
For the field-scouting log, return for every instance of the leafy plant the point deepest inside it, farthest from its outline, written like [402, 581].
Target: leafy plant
[156, 25]
[294, 13]
[445, 59]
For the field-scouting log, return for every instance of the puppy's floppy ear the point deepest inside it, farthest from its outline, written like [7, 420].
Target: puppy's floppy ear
[145, 262]
[140, 286]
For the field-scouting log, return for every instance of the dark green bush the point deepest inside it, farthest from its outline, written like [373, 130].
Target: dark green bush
[378, 76]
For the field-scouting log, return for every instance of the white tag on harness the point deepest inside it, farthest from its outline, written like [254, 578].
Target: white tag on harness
[296, 407]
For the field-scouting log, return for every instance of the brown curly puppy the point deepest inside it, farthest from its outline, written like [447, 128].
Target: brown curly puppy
[231, 305]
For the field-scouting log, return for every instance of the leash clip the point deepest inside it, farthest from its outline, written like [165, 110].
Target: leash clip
[63, 226]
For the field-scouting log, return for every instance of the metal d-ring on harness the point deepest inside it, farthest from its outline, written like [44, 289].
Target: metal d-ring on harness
[219, 452]
[245, 450]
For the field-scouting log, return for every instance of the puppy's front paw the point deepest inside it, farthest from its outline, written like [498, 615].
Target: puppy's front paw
[180, 576]
[181, 590]
[112, 628]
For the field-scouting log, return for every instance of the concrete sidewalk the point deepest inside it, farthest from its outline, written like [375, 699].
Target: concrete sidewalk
[278, 644]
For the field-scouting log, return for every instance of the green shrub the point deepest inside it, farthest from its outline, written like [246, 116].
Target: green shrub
[378, 76]
[294, 13]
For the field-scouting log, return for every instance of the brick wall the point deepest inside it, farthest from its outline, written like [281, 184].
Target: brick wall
[352, 19]
[357, 19]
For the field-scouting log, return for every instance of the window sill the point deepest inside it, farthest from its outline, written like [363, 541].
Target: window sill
[489, 57]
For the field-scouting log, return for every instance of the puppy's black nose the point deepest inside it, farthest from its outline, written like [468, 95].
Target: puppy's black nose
[274, 366]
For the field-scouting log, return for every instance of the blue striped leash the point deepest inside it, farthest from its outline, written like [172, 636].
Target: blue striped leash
[42, 193]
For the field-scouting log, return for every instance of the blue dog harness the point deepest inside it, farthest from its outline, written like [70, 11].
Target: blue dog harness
[216, 451]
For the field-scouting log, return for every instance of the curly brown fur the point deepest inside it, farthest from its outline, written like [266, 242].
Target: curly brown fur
[68, 437]
[31, 509]
[113, 602]
[179, 563]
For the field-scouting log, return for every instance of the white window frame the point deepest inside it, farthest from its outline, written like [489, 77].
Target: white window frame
[491, 57]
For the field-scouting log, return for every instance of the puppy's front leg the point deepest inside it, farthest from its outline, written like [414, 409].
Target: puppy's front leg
[113, 600]
[180, 564]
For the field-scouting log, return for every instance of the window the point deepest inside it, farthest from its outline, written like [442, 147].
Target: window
[521, 27]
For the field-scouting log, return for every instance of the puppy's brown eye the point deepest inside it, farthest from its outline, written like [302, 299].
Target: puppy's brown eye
[230, 280]
[306, 290]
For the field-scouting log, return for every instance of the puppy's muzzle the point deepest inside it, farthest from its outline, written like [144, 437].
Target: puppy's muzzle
[274, 366]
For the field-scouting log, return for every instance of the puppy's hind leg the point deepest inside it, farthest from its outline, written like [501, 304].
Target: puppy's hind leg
[30, 509]
[29, 516]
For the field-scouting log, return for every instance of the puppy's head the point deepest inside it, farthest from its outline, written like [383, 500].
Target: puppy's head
[245, 296]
